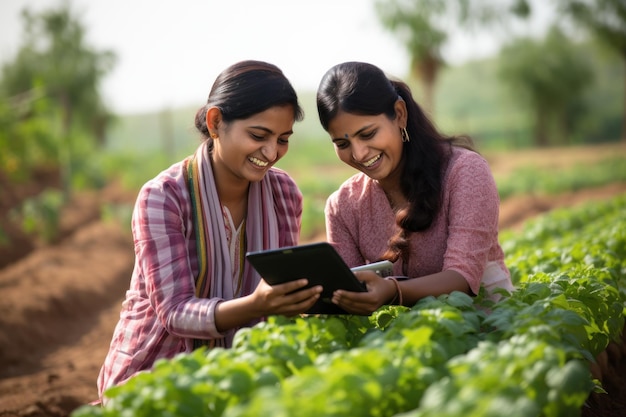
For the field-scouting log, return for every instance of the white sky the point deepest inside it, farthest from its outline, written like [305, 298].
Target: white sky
[169, 52]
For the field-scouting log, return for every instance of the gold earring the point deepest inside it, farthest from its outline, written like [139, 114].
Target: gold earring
[405, 135]
[213, 135]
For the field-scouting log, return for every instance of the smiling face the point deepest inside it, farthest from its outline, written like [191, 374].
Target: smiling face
[371, 144]
[244, 150]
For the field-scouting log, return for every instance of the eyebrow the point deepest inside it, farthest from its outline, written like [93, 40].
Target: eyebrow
[358, 132]
[270, 131]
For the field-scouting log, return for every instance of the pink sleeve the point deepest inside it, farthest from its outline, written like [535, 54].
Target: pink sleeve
[161, 249]
[339, 230]
[473, 217]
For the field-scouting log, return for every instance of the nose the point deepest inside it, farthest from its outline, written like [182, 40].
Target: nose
[359, 151]
[270, 152]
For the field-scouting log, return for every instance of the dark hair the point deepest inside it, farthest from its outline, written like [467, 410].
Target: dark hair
[245, 89]
[364, 89]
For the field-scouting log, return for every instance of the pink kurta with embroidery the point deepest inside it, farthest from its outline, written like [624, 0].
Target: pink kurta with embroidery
[463, 237]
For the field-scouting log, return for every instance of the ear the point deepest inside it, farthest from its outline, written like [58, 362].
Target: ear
[401, 112]
[213, 119]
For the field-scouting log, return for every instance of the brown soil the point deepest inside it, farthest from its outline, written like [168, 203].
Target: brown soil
[60, 301]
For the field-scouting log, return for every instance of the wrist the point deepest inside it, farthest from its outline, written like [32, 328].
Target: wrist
[236, 312]
[254, 306]
[397, 298]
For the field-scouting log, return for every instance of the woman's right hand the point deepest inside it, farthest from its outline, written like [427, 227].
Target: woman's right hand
[379, 291]
[288, 299]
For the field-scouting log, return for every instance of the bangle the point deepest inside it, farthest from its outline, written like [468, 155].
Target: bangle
[398, 291]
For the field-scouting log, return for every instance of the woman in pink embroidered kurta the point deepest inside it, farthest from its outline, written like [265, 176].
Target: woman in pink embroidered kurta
[425, 201]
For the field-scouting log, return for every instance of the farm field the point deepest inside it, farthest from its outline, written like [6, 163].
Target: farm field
[60, 302]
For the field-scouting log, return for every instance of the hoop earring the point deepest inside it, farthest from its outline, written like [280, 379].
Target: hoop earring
[405, 135]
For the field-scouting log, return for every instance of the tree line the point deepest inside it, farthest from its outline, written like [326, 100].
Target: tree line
[548, 74]
[52, 111]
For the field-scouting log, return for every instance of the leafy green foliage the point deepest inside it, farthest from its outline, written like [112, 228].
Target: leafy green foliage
[54, 50]
[521, 375]
[51, 112]
[26, 139]
[604, 18]
[40, 215]
[452, 355]
[549, 76]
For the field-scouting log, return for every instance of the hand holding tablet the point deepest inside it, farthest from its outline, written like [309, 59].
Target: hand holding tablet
[320, 264]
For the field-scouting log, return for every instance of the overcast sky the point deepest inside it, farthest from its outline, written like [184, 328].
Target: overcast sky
[169, 52]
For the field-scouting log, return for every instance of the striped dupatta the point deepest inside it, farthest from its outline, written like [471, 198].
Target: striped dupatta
[215, 272]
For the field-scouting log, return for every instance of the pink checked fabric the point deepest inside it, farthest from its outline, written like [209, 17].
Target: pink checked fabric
[161, 315]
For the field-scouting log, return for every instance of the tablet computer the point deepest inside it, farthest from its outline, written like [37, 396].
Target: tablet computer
[318, 262]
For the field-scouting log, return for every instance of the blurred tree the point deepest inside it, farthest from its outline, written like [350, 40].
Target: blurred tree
[54, 55]
[26, 138]
[423, 27]
[605, 19]
[549, 76]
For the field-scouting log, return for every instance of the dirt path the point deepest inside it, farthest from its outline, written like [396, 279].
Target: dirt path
[60, 303]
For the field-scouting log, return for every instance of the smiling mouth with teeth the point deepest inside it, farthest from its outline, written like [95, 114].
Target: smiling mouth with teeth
[371, 161]
[258, 162]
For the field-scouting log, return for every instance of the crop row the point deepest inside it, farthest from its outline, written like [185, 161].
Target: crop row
[454, 355]
[534, 180]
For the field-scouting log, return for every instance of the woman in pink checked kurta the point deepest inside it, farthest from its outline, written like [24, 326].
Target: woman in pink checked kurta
[425, 201]
[194, 222]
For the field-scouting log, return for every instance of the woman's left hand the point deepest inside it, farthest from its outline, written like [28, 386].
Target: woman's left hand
[379, 292]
